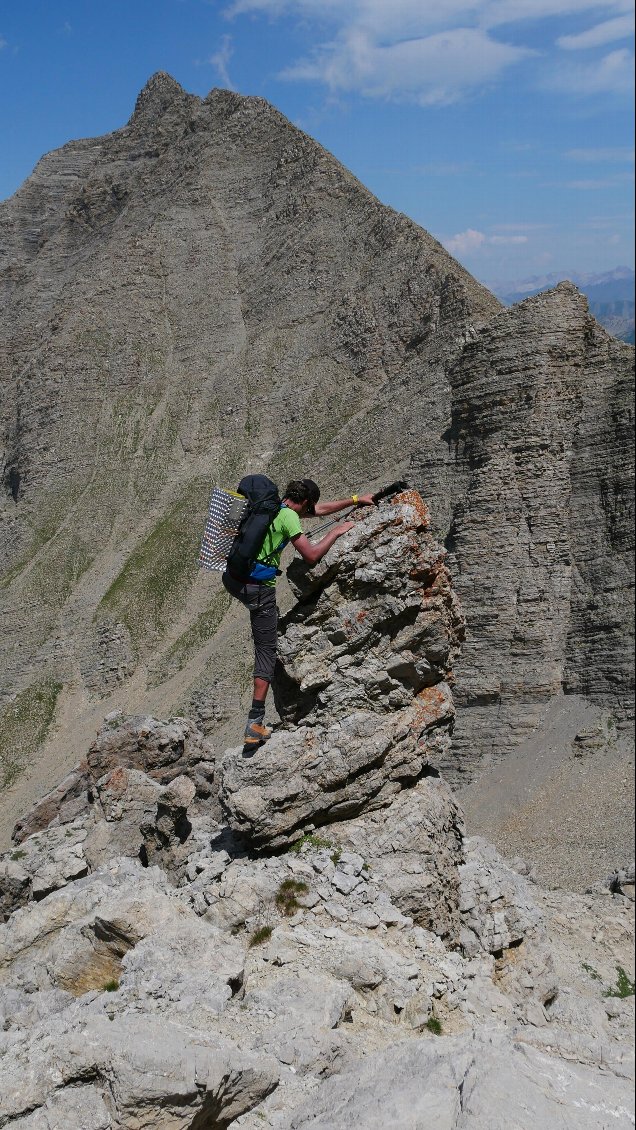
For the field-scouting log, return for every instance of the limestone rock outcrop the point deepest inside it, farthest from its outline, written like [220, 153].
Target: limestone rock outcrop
[291, 988]
[162, 751]
[158, 969]
[362, 685]
[486, 1083]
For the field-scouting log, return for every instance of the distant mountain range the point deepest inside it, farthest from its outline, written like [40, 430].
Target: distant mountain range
[610, 295]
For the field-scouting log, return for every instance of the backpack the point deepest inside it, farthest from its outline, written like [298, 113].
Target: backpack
[263, 504]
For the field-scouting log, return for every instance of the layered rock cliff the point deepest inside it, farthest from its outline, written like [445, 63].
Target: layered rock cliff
[207, 292]
[541, 513]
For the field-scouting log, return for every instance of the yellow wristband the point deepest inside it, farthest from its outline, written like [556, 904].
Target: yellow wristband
[354, 499]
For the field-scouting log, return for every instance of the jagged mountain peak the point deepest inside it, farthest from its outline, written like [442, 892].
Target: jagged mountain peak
[160, 91]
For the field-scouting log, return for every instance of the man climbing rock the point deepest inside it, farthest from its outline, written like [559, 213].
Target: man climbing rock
[300, 500]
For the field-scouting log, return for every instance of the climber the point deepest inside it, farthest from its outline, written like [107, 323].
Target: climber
[300, 500]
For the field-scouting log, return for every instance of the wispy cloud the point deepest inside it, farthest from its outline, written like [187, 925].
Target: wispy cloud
[506, 240]
[519, 227]
[413, 16]
[436, 54]
[610, 31]
[612, 74]
[497, 12]
[437, 69]
[617, 156]
[433, 169]
[220, 61]
[470, 241]
[600, 223]
[616, 180]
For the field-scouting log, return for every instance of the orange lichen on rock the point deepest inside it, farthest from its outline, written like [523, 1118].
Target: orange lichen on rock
[431, 705]
[412, 498]
[118, 780]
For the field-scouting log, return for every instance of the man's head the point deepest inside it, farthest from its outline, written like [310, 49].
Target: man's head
[303, 491]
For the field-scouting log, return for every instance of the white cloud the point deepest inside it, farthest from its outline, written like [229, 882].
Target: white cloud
[616, 156]
[600, 223]
[465, 242]
[220, 61]
[608, 32]
[497, 12]
[444, 169]
[469, 241]
[413, 17]
[520, 227]
[508, 240]
[593, 184]
[435, 69]
[436, 53]
[612, 74]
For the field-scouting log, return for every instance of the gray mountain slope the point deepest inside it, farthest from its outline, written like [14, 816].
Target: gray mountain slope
[207, 292]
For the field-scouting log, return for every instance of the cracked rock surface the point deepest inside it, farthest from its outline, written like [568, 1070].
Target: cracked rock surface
[363, 682]
[353, 958]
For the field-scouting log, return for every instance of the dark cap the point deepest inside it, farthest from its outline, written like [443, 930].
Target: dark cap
[312, 494]
[303, 490]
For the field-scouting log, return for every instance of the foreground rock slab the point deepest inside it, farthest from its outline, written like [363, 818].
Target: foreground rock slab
[129, 1072]
[476, 1082]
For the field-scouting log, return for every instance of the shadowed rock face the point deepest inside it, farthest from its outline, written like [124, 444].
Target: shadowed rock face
[541, 519]
[365, 665]
[207, 292]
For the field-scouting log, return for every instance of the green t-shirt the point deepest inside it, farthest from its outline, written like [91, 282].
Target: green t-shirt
[286, 525]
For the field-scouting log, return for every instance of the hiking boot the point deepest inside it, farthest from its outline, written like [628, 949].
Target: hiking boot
[256, 732]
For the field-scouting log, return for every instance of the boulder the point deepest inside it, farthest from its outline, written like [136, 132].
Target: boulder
[480, 1081]
[363, 684]
[162, 750]
[129, 1071]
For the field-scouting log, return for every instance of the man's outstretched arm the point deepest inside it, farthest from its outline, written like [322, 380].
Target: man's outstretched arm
[325, 508]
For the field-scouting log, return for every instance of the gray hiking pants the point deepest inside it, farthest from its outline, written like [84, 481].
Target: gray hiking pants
[260, 601]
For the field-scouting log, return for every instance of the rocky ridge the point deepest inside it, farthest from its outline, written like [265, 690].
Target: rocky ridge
[172, 958]
[206, 292]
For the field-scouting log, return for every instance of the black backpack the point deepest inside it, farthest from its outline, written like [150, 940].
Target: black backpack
[263, 504]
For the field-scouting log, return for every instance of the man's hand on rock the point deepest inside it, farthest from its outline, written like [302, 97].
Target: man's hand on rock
[343, 528]
[365, 500]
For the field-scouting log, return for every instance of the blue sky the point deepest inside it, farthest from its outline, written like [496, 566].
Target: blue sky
[504, 127]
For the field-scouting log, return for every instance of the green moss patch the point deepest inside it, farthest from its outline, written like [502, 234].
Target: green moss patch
[263, 934]
[24, 724]
[195, 636]
[53, 577]
[45, 523]
[148, 593]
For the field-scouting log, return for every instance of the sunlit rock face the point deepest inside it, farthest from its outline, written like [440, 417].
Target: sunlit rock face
[363, 684]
